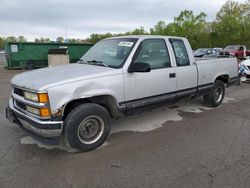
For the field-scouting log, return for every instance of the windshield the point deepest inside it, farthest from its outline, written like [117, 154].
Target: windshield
[111, 52]
[236, 47]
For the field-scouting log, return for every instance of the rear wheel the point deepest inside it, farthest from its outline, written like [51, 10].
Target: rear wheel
[87, 127]
[216, 95]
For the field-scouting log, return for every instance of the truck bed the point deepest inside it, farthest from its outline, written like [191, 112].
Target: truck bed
[224, 66]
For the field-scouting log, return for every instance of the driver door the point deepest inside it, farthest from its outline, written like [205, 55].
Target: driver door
[153, 85]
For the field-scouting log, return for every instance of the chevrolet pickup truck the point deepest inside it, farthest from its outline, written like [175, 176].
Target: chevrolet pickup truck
[116, 76]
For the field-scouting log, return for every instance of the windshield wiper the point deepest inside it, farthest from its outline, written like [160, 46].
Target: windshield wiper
[95, 62]
[81, 61]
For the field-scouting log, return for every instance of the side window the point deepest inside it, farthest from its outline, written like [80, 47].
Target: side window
[180, 52]
[155, 53]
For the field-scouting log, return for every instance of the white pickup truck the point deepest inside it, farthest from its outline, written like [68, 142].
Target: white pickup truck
[115, 77]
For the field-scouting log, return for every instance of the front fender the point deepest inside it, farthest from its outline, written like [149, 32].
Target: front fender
[63, 94]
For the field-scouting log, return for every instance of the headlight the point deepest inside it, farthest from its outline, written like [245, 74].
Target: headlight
[33, 110]
[43, 112]
[36, 97]
[31, 96]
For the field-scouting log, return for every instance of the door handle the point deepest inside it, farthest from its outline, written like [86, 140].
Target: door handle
[172, 75]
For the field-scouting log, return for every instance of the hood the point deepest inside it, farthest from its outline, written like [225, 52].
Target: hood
[41, 79]
[246, 62]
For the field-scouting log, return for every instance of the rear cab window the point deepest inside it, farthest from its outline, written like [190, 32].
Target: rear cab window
[180, 52]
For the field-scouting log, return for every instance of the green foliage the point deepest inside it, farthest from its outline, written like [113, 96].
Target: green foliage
[190, 26]
[2, 43]
[42, 40]
[232, 24]
[94, 38]
[60, 39]
[185, 25]
[159, 29]
[138, 31]
[11, 39]
[21, 39]
[76, 41]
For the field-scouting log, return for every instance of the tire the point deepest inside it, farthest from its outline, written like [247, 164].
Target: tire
[216, 95]
[206, 100]
[239, 81]
[87, 127]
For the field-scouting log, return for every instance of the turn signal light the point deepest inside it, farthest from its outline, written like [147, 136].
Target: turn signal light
[44, 112]
[43, 97]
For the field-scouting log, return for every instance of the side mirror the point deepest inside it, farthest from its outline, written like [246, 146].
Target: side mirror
[139, 67]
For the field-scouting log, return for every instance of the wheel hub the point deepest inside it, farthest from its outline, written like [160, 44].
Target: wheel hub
[218, 94]
[90, 129]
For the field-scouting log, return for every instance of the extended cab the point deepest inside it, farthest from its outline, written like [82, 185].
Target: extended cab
[115, 76]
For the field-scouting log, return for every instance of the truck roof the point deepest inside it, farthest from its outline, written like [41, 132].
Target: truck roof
[147, 36]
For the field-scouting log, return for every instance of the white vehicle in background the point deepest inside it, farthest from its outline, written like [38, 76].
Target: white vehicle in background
[114, 78]
[246, 66]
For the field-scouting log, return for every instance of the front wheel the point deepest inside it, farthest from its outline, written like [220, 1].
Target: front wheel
[87, 127]
[216, 95]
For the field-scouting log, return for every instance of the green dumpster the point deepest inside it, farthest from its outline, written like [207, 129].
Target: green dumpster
[18, 55]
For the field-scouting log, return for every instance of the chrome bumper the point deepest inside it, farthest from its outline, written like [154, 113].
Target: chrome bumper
[42, 128]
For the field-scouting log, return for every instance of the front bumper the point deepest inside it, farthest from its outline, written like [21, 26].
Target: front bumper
[34, 126]
[247, 73]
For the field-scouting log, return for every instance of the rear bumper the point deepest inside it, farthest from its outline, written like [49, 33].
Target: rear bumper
[36, 127]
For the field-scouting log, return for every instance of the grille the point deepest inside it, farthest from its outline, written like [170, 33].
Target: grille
[20, 105]
[19, 91]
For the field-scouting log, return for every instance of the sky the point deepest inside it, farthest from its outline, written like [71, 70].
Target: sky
[80, 18]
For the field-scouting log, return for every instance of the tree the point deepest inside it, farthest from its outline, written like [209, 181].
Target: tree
[42, 40]
[46, 40]
[2, 43]
[138, 31]
[21, 39]
[72, 41]
[190, 26]
[186, 25]
[60, 39]
[11, 39]
[232, 24]
[159, 29]
[94, 38]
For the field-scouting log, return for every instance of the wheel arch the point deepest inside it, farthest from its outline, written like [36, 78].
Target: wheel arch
[107, 101]
[224, 78]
